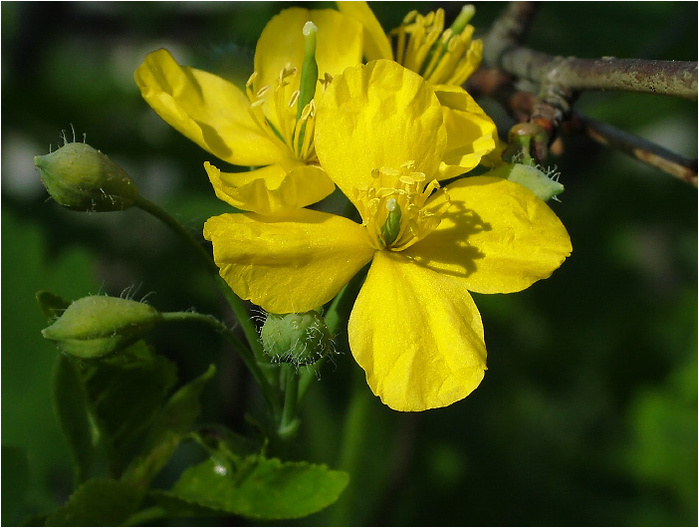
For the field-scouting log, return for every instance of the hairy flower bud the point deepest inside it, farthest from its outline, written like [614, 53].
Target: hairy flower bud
[545, 186]
[83, 179]
[97, 326]
[301, 339]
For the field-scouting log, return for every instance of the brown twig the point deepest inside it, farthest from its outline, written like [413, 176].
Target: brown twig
[508, 30]
[502, 50]
[674, 78]
[650, 153]
[560, 81]
[521, 104]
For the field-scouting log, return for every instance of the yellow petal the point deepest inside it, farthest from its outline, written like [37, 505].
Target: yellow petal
[376, 44]
[339, 43]
[380, 115]
[290, 263]
[417, 334]
[471, 134]
[496, 234]
[270, 190]
[206, 109]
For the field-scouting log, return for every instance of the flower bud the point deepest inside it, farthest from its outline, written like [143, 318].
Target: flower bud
[545, 186]
[301, 339]
[83, 179]
[97, 326]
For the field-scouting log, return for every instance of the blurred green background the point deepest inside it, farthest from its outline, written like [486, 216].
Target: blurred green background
[588, 412]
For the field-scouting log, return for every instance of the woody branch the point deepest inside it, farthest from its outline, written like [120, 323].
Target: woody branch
[561, 79]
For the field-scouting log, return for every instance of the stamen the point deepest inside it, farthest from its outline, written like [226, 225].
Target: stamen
[280, 111]
[440, 56]
[393, 207]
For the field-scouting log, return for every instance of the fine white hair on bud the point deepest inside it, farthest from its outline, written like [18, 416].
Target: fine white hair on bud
[81, 178]
[309, 27]
[99, 326]
[299, 339]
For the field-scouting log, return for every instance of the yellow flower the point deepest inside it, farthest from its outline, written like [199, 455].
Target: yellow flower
[262, 126]
[414, 327]
[445, 58]
[422, 44]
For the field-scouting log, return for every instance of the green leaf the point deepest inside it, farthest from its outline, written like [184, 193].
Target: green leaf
[50, 304]
[71, 409]
[168, 428]
[98, 503]
[182, 410]
[260, 488]
[125, 396]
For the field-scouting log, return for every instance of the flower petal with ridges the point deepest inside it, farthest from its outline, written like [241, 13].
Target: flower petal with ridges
[378, 115]
[496, 234]
[417, 334]
[287, 263]
[339, 44]
[206, 109]
[471, 133]
[270, 190]
[376, 44]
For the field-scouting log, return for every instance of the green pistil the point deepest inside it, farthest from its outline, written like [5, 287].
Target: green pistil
[440, 47]
[461, 21]
[391, 228]
[309, 71]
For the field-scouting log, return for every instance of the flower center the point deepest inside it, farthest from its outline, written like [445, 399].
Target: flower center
[440, 56]
[392, 207]
[283, 122]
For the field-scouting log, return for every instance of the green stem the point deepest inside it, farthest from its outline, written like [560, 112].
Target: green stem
[288, 425]
[350, 456]
[165, 217]
[337, 314]
[236, 303]
[340, 308]
[245, 354]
